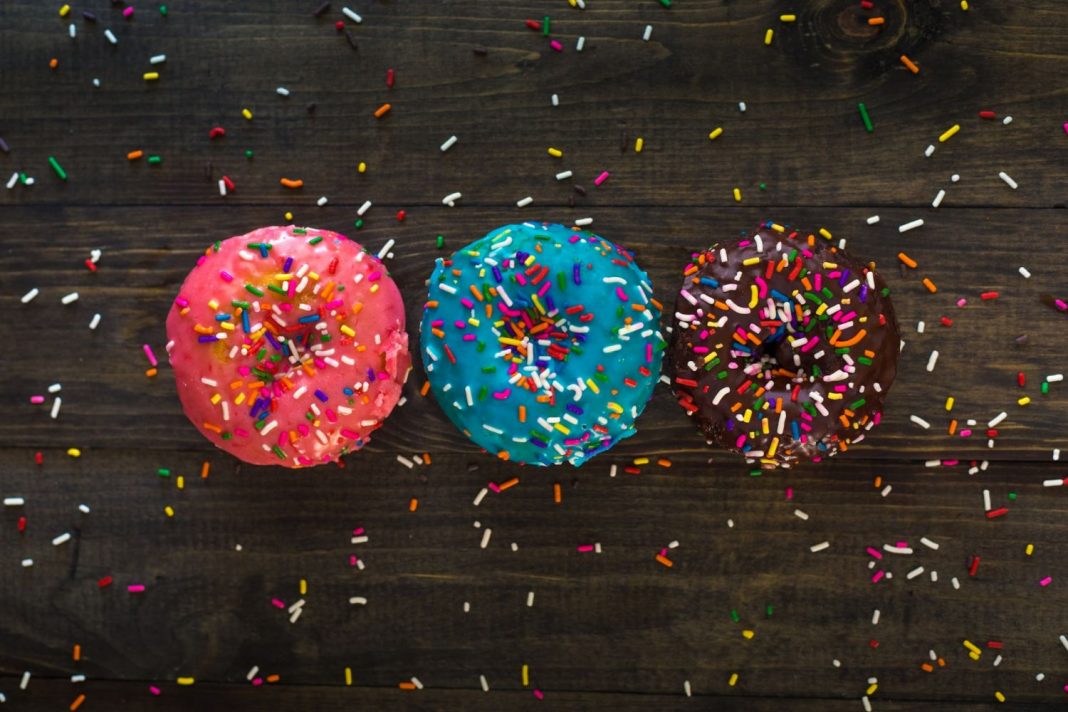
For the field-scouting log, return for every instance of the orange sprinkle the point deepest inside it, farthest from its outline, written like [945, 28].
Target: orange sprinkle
[273, 678]
[664, 462]
[204, 469]
[426, 388]
[150, 372]
[876, 20]
[134, 155]
[927, 667]
[908, 63]
[77, 652]
[413, 505]
[941, 662]
[522, 414]
[77, 702]
[510, 483]
[878, 481]
[909, 262]
[665, 560]
[382, 110]
[53, 63]
[930, 285]
[291, 183]
[426, 458]
[556, 492]
[213, 428]
[952, 426]
[406, 685]
[849, 342]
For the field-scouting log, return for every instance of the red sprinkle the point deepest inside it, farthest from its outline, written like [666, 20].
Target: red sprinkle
[946, 321]
[38, 458]
[989, 295]
[873, 643]
[339, 25]
[995, 644]
[401, 215]
[389, 77]
[534, 25]
[987, 115]
[997, 513]
[22, 524]
[974, 566]
[1021, 379]
[90, 265]
[229, 183]
[217, 132]
[104, 582]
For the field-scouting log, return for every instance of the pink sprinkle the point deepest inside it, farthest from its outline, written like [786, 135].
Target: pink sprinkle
[901, 544]
[1046, 581]
[1066, 131]
[966, 433]
[539, 694]
[875, 552]
[181, 301]
[128, 12]
[493, 486]
[151, 356]
[585, 548]
[226, 276]
[789, 493]
[352, 560]
[277, 604]
[136, 588]
[878, 576]
[357, 531]
[555, 44]
[36, 399]
[257, 682]
[601, 178]
[961, 302]
[154, 690]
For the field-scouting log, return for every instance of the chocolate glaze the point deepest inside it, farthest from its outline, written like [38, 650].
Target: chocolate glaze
[730, 388]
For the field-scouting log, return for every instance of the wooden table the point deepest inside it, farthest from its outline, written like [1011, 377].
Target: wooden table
[614, 630]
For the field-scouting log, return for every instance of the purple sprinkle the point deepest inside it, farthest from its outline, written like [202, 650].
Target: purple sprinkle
[321, 396]
[3, 146]
[497, 275]
[370, 374]
[843, 278]
[288, 264]
[206, 339]
[576, 273]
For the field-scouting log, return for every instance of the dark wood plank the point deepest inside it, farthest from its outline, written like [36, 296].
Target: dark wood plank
[147, 252]
[615, 622]
[802, 134]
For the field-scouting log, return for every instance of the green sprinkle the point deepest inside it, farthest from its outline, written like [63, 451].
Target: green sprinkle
[358, 224]
[277, 289]
[300, 231]
[441, 241]
[756, 473]
[315, 240]
[865, 118]
[24, 178]
[278, 451]
[665, 3]
[857, 404]
[227, 435]
[163, 10]
[545, 26]
[482, 393]
[1012, 496]
[763, 186]
[734, 615]
[57, 168]
[768, 611]
[155, 160]
[253, 289]
[237, 303]
[248, 153]
[163, 472]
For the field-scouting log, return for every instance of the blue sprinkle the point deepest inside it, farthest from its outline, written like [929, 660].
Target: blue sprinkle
[535, 441]
[348, 391]
[244, 321]
[274, 341]
[321, 396]
[310, 319]
[576, 273]
[709, 281]
[222, 317]
[796, 431]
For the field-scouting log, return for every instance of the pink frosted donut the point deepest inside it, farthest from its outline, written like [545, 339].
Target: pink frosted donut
[288, 345]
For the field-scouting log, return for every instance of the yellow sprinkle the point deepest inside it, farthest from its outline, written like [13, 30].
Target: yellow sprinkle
[734, 679]
[1024, 401]
[151, 76]
[555, 152]
[971, 646]
[592, 385]
[562, 428]
[774, 443]
[949, 403]
[871, 689]
[641, 461]
[74, 452]
[950, 133]
[768, 36]
[748, 634]
[169, 510]
[638, 143]
[361, 168]
[826, 233]
[227, 326]
[64, 11]
[777, 227]
[973, 656]
[213, 304]
[998, 696]
[348, 676]
[714, 134]
[787, 18]
[247, 114]
[1030, 549]
[750, 260]
[347, 330]
[288, 215]
[180, 482]
[526, 676]
[303, 586]
[186, 680]
[737, 195]
[964, 5]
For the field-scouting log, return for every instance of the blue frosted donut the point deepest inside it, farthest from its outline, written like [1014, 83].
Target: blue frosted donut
[542, 343]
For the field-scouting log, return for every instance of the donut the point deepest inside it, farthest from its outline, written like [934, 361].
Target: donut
[542, 343]
[784, 348]
[288, 345]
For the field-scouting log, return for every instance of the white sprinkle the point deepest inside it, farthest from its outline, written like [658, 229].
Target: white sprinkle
[920, 422]
[12, 180]
[55, 407]
[252, 672]
[891, 549]
[580, 43]
[1008, 180]
[296, 614]
[77, 678]
[1055, 377]
[30, 295]
[875, 617]
[910, 225]
[687, 689]
[72, 30]
[929, 544]
[997, 419]
[1007, 120]
[449, 143]
[837, 663]
[111, 36]
[27, 563]
[95, 321]
[362, 539]
[914, 573]
[929, 151]
[583, 222]
[358, 601]
[955, 582]
[866, 702]
[819, 547]
[351, 15]
[480, 496]
[741, 106]
[919, 327]
[157, 59]
[418, 685]
[1056, 454]
[873, 219]
[530, 599]
[1064, 642]
[1040, 676]
[801, 515]
[222, 187]
[84, 508]
[55, 388]
[282, 91]
[563, 175]
[486, 537]
[25, 680]
[886, 490]
[363, 208]
[70, 298]
[932, 360]
[467, 607]
[1025, 273]
[955, 177]
[556, 100]
[648, 33]
[938, 199]
[986, 500]
[405, 461]
[385, 249]
[96, 82]
[14, 501]
[61, 539]
[451, 198]
[524, 202]
[613, 470]
[321, 201]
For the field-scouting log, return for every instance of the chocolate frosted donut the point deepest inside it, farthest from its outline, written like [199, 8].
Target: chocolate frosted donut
[784, 346]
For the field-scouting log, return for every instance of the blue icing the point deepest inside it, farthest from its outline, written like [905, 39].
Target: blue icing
[558, 297]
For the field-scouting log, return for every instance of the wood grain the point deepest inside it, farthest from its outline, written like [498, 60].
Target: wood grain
[704, 57]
